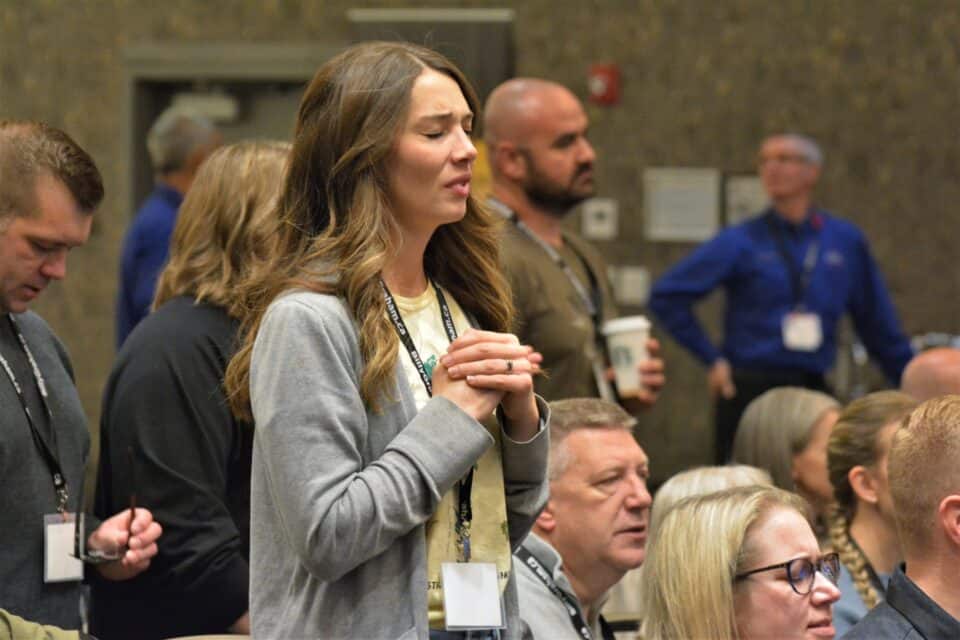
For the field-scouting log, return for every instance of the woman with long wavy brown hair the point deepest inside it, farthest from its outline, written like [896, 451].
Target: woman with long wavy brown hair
[372, 472]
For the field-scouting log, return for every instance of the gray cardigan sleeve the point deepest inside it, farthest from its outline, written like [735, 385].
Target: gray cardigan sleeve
[339, 508]
[525, 476]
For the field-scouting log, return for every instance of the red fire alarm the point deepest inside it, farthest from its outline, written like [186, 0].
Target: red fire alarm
[603, 82]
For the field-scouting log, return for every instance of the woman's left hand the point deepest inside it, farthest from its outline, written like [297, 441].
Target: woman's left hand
[491, 360]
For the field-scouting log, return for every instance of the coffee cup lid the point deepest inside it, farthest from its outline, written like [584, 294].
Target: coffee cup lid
[628, 323]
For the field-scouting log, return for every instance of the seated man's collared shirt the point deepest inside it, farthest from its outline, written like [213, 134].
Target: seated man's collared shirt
[907, 614]
[544, 614]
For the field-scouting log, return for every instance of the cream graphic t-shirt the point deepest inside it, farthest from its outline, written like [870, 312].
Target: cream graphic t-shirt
[490, 538]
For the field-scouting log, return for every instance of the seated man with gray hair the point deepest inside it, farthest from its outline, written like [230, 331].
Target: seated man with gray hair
[178, 143]
[594, 527]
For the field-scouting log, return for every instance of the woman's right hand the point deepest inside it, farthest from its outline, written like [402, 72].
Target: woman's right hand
[497, 363]
[479, 404]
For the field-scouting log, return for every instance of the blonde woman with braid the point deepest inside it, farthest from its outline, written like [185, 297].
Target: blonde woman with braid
[861, 523]
[380, 473]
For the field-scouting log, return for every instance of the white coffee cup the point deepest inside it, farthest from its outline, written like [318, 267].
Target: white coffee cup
[627, 346]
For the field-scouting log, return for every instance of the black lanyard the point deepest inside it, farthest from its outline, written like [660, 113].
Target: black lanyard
[799, 276]
[571, 605]
[465, 486]
[48, 452]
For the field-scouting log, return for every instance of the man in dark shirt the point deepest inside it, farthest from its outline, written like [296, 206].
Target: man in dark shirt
[542, 167]
[49, 188]
[924, 479]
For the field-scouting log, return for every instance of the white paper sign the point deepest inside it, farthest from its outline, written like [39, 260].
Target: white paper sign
[681, 204]
[745, 197]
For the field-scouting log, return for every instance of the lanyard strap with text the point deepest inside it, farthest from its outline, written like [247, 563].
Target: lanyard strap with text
[799, 277]
[465, 486]
[590, 300]
[49, 453]
[568, 603]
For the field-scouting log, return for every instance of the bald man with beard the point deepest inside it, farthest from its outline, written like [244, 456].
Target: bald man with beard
[542, 166]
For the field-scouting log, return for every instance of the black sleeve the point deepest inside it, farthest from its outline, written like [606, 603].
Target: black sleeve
[166, 402]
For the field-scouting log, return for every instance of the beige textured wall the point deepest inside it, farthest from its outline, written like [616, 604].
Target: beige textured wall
[874, 80]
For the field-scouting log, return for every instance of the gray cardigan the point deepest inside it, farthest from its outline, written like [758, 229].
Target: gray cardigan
[340, 495]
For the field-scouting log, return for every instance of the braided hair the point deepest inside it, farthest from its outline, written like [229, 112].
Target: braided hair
[853, 442]
[852, 557]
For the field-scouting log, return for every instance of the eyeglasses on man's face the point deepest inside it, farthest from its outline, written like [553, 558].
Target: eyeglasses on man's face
[782, 158]
[802, 572]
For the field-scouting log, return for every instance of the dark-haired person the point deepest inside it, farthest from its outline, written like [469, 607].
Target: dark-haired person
[164, 403]
[49, 189]
[380, 478]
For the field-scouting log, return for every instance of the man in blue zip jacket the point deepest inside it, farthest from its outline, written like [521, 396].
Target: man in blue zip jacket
[789, 274]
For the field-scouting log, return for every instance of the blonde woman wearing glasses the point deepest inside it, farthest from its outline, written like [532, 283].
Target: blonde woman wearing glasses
[741, 563]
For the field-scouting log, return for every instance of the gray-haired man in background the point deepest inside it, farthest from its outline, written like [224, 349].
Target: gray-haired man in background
[178, 143]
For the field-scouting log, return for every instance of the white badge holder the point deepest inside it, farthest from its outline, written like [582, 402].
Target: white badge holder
[59, 562]
[471, 596]
[802, 331]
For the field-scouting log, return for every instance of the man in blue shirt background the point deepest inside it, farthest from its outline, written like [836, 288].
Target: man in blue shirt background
[789, 274]
[178, 143]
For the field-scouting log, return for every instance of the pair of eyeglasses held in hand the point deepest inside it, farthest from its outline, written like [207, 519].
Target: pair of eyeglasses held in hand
[802, 572]
[102, 556]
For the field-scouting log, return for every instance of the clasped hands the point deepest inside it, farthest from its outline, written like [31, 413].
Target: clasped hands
[483, 369]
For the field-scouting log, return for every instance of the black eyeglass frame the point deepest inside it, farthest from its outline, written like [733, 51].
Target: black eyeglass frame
[828, 565]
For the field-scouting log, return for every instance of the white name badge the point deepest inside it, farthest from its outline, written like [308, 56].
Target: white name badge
[471, 596]
[802, 331]
[60, 564]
